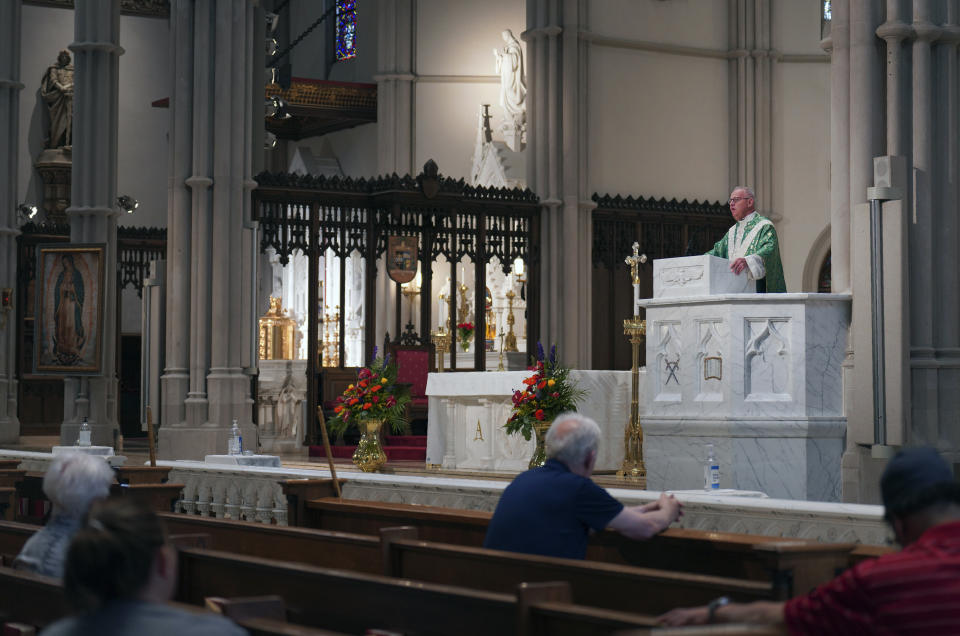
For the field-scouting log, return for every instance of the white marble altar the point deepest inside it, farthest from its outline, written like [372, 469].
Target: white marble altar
[467, 412]
[756, 375]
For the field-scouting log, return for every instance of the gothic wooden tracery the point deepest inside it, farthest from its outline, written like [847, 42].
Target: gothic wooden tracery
[347, 216]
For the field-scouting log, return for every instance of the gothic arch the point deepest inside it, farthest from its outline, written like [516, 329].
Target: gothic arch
[818, 252]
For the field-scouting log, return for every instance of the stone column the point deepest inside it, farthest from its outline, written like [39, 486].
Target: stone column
[10, 88]
[209, 242]
[838, 44]
[396, 27]
[92, 213]
[924, 262]
[556, 104]
[176, 374]
[750, 100]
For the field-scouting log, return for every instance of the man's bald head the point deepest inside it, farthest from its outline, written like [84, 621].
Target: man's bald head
[571, 440]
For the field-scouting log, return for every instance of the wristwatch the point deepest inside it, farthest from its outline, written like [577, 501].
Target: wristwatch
[714, 605]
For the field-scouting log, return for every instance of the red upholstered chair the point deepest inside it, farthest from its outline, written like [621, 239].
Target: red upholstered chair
[413, 365]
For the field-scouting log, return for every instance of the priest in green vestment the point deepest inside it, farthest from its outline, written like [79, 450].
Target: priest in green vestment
[751, 244]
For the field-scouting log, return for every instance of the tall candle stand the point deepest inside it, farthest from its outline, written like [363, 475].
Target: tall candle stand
[441, 342]
[511, 344]
[635, 329]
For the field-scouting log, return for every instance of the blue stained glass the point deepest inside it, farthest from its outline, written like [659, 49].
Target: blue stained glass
[827, 10]
[346, 29]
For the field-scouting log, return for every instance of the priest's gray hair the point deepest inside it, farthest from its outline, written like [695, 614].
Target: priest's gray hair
[747, 189]
[572, 443]
[74, 480]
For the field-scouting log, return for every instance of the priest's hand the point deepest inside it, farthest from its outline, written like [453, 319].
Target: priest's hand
[738, 265]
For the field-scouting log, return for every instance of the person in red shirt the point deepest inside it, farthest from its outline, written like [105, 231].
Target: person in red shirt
[914, 591]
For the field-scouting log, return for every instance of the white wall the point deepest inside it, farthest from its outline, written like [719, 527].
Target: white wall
[142, 142]
[455, 65]
[801, 136]
[658, 121]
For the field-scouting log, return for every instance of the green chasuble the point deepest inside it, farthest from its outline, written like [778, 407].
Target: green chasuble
[754, 236]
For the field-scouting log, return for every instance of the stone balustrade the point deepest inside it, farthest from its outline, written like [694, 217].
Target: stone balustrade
[253, 493]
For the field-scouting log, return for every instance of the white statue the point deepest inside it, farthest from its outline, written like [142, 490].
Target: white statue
[513, 89]
[287, 419]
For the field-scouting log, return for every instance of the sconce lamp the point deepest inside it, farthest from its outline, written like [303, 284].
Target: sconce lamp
[26, 212]
[519, 270]
[127, 203]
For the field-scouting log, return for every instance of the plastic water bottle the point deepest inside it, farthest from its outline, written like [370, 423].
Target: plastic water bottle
[235, 443]
[711, 471]
[83, 437]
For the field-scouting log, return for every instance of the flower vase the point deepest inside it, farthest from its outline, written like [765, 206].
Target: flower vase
[540, 452]
[369, 456]
[465, 344]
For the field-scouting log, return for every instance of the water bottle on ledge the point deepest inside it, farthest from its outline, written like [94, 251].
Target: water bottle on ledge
[235, 443]
[83, 437]
[711, 471]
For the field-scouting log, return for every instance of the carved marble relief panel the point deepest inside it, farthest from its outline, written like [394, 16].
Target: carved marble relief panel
[668, 368]
[767, 359]
[709, 370]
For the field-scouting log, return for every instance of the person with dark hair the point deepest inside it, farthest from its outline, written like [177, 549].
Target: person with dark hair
[914, 591]
[71, 483]
[120, 572]
[551, 510]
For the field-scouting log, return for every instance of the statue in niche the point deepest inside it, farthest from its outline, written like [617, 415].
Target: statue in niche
[287, 419]
[513, 90]
[56, 88]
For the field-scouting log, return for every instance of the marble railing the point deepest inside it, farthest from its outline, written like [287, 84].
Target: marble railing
[253, 493]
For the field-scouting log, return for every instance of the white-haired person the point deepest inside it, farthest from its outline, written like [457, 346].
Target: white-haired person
[551, 510]
[72, 482]
[120, 572]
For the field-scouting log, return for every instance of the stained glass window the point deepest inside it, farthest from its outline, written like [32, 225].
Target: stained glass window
[827, 10]
[346, 29]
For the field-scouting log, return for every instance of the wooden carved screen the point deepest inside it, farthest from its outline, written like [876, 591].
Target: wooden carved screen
[348, 215]
[664, 229]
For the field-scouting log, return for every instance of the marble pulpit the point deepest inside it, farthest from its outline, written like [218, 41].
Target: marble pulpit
[756, 375]
[466, 413]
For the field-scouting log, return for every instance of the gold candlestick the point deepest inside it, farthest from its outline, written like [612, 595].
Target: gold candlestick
[441, 341]
[636, 330]
[500, 366]
[511, 337]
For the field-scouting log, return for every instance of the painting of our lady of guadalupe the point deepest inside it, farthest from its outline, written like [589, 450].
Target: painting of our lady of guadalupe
[69, 312]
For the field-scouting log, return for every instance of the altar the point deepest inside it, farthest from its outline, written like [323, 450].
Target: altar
[466, 413]
[757, 375]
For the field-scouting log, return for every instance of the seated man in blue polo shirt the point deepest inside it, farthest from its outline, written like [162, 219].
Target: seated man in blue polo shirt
[552, 509]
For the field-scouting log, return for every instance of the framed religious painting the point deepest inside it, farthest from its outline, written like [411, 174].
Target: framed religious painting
[69, 309]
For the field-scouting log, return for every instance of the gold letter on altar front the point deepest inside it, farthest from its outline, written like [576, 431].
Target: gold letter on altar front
[478, 437]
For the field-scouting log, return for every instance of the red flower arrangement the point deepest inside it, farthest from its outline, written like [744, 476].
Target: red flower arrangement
[547, 394]
[376, 395]
[465, 334]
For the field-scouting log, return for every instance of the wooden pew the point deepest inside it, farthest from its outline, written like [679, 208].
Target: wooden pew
[794, 566]
[39, 600]
[400, 555]
[12, 537]
[354, 602]
[358, 553]
[604, 585]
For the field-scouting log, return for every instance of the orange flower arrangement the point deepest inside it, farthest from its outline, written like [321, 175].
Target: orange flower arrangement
[376, 395]
[547, 394]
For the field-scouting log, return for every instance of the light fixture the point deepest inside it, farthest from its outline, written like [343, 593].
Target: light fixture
[270, 142]
[276, 108]
[272, 47]
[273, 19]
[127, 203]
[519, 270]
[26, 212]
